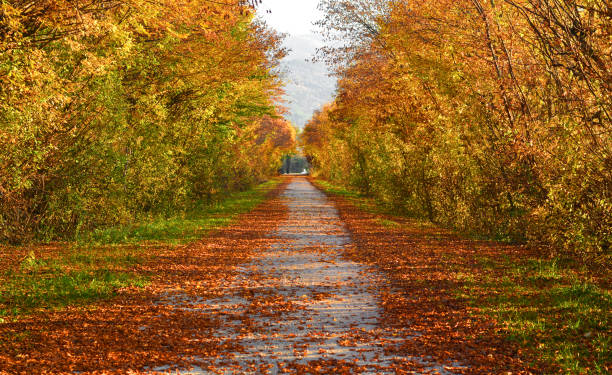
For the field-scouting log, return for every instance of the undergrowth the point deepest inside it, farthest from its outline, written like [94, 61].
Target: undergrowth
[98, 264]
[556, 309]
[185, 227]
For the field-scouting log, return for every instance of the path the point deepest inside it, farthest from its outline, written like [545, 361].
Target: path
[275, 292]
[300, 305]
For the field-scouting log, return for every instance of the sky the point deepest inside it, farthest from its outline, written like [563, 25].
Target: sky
[291, 16]
[308, 86]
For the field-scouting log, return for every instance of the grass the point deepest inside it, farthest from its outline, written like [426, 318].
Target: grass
[388, 223]
[545, 304]
[337, 189]
[549, 307]
[72, 278]
[363, 202]
[96, 266]
[188, 226]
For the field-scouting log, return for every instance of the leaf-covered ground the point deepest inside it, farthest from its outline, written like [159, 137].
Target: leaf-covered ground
[500, 307]
[301, 284]
[132, 332]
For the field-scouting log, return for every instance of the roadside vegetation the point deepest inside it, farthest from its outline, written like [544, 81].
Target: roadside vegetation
[116, 111]
[127, 127]
[489, 121]
[40, 278]
[489, 117]
[556, 309]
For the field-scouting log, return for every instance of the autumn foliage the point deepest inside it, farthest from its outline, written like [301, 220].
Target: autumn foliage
[492, 117]
[115, 109]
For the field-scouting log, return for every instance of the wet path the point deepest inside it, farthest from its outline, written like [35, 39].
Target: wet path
[299, 306]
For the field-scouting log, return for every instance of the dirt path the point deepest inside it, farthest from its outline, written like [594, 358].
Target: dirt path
[276, 292]
[299, 305]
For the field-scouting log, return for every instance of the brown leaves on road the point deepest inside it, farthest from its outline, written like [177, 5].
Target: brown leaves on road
[421, 292]
[269, 300]
[132, 331]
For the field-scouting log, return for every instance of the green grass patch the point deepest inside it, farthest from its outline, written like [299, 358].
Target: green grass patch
[388, 223]
[76, 277]
[337, 189]
[100, 263]
[187, 226]
[547, 307]
[363, 202]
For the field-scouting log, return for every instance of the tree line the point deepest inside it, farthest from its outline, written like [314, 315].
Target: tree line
[491, 117]
[111, 110]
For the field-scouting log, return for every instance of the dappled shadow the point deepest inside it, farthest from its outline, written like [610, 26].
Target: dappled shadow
[299, 306]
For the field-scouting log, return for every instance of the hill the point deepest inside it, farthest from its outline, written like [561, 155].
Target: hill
[308, 84]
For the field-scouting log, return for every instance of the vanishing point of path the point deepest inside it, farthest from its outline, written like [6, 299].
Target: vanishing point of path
[299, 306]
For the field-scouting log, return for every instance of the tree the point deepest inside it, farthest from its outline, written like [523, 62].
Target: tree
[482, 116]
[113, 109]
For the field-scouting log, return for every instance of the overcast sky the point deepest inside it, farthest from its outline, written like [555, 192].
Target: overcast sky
[307, 85]
[294, 17]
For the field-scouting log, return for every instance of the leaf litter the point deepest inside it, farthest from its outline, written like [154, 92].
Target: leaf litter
[287, 289]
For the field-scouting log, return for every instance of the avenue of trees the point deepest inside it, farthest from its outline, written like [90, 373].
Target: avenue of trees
[112, 110]
[491, 117]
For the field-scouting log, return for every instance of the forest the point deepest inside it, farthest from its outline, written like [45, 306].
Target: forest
[449, 211]
[489, 117]
[117, 110]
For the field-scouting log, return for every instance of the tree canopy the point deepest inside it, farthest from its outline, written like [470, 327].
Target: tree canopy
[114, 109]
[490, 117]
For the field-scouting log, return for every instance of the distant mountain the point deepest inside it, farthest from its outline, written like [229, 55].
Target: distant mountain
[308, 84]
